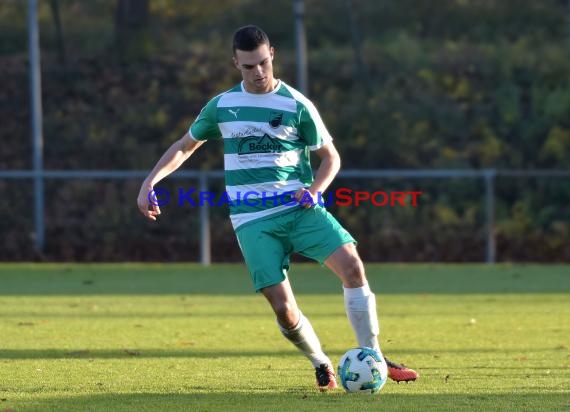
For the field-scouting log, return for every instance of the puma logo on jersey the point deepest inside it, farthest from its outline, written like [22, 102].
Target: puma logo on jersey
[234, 112]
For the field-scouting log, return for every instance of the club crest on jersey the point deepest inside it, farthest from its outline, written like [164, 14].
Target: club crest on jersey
[259, 144]
[275, 119]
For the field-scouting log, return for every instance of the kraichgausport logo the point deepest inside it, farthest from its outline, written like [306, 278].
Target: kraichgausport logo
[341, 197]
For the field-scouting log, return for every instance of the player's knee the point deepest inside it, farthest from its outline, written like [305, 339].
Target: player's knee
[354, 272]
[287, 313]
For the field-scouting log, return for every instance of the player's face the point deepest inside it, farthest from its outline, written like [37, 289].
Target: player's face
[256, 68]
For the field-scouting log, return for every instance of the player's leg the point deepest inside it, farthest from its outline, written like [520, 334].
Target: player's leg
[321, 237]
[359, 301]
[268, 271]
[360, 305]
[298, 330]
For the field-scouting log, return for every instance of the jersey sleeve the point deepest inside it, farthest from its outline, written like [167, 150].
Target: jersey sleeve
[205, 126]
[311, 128]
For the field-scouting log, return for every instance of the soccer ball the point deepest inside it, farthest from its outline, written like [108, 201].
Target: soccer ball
[362, 370]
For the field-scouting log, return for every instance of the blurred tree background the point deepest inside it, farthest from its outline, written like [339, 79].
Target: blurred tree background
[409, 84]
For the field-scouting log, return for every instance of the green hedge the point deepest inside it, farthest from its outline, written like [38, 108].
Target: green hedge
[468, 84]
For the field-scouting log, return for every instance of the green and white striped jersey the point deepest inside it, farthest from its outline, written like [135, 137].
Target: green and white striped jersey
[267, 138]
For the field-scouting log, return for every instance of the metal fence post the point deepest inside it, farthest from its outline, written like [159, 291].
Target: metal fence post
[36, 122]
[301, 46]
[490, 252]
[205, 242]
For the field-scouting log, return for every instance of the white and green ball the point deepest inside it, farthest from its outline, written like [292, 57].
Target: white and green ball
[362, 370]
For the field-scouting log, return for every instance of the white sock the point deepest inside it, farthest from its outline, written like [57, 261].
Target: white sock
[303, 336]
[360, 305]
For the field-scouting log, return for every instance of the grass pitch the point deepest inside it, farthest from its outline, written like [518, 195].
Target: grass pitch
[185, 338]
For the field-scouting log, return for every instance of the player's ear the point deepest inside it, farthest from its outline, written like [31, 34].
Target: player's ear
[272, 52]
[234, 60]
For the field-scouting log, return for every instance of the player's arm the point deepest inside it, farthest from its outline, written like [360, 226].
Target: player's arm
[171, 160]
[325, 174]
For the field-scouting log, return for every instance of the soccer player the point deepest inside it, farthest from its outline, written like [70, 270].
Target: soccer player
[268, 129]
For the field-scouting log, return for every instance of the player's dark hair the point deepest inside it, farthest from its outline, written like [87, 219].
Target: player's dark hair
[249, 38]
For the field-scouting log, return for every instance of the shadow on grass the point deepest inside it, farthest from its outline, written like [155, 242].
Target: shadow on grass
[226, 279]
[124, 353]
[296, 400]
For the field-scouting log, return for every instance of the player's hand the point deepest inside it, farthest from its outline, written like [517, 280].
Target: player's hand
[147, 202]
[305, 198]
